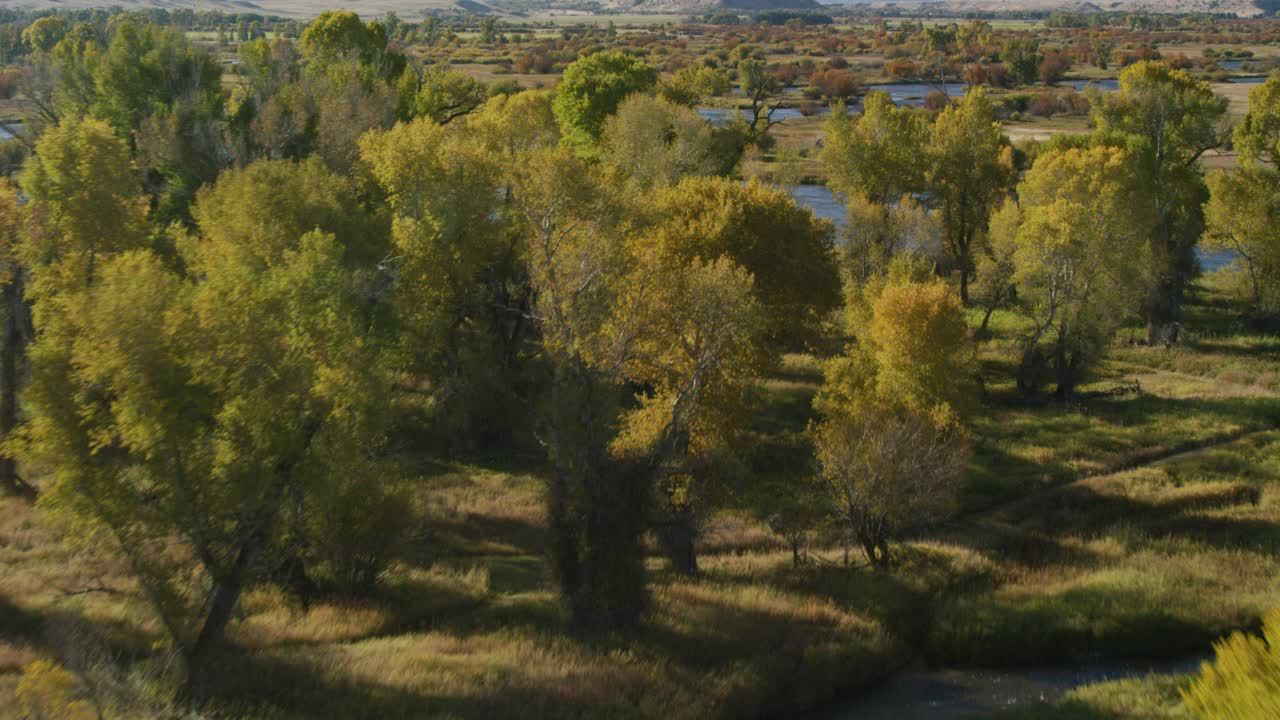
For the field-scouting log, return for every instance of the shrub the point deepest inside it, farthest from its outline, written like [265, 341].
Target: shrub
[1052, 67]
[356, 525]
[1045, 104]
[505, 87]
[936, 100]
[1243, 681]
[840, 84]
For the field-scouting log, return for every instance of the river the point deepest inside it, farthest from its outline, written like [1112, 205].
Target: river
[827, 205]
[954, 694]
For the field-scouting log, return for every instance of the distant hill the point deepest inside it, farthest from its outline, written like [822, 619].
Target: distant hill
[1243, 8]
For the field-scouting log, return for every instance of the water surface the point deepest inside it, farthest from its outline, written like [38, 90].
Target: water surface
[953, 694]
[826, 204]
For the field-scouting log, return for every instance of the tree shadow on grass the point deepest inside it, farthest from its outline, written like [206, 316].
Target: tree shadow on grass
[258, 685]
[1082, 510]
[985, 631]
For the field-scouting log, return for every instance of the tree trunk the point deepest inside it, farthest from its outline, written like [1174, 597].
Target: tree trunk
[597, 511]
[1066, 373]
[226, 593]
[1162, 312]
[678, 539]
[14, 345]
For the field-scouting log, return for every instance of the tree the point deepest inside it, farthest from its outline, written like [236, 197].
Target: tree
[1243, 681]
[15, 334]
[165, 415]
[85, 203]
[786, 249]
[146, 67]
[1173, 119]
[697, 349]
[1052, 67]
[876, 234]
[340, 35]
[1243, 215]
[690, 85]
[654, 142]
[596, 505]
[1077, 243]
[457, 295]
[591, 90]
[994, 269]
[877, 160]
[970, 168]
[1021, 57]
[1101, 46]
[1257, 137]
[440, 94]
[889, 442]
[762, 88]
[257, 212]
[42, 34]
[1242, 211]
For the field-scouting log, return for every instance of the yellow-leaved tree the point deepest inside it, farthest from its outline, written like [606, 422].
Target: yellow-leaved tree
[1243, 212]
[1077, 244]
[890, 441]
[970, 168]
[197, 420]
[15, 333]
[1243, 681]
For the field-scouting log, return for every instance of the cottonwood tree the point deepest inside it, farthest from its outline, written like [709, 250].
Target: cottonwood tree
[457, 307]
[653, 142]
[878, 154]
[877, 160]
[337, 36]
[890, 443]
[786, 249]
[15, 334]
[1243, 213]
[187, 433]
[596, 507]
[85, 203]
[616, 311]
[44, 33]
[689, 86]
[1077, 241]
[1257, 137]
[795, 285]
[591, 90]
[1171, 119]
[697, 348]
[439, 93]
[763, 88]
[970, 167]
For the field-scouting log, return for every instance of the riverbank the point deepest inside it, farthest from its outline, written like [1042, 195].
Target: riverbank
[1014, 694]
